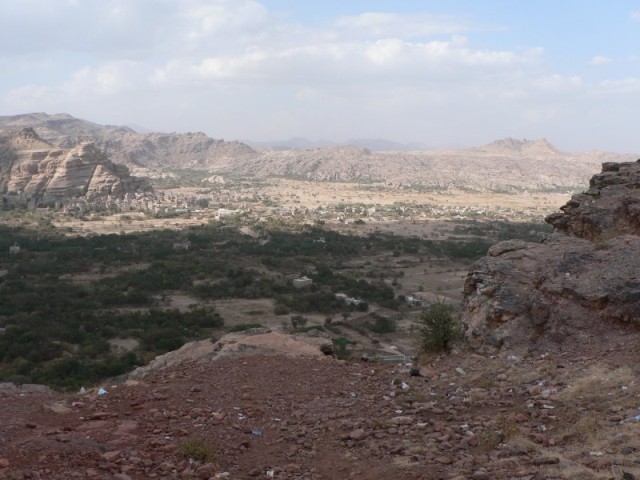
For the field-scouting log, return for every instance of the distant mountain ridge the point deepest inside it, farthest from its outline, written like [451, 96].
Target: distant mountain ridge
[374, 144]
[507, 165]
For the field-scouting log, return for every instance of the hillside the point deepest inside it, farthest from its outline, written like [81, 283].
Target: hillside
[34, 170]
[503, 166]
[124, 145]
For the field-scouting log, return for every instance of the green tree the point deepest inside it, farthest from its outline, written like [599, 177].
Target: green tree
[439, 327]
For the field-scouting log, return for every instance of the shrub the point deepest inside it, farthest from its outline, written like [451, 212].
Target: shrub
[341, 346]
[281, 309]
[197, 449]
[298, 321]
[382, 325]
[439, 327]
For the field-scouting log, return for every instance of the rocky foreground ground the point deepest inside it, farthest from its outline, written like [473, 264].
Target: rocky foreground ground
[565, 411]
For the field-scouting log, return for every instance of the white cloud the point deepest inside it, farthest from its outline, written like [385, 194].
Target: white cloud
[403, 26]
[600, 60]
[173, 62]
[108, 80]
[619, 86]
[635, 15]
[558, 83]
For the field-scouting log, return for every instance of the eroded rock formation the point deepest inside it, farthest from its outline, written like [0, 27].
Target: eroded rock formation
[586, 272]
[37, 170]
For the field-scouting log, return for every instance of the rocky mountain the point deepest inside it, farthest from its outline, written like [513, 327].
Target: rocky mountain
[504, 166]
[62, 130]
[173, 150]
[584, 277]
[32, 169]
[373, 144]
[514, 168]
[124, 145]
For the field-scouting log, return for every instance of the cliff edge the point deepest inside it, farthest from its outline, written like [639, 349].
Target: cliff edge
[584, 276]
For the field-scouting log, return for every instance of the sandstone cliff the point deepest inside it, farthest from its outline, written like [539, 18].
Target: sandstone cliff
[587, 273]
[37, 170]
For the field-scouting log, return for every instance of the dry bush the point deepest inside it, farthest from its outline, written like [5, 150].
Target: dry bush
[595, 385]
[197, 449]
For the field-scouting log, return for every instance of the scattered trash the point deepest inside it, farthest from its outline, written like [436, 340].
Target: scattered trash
[405, 386]
[460, 371]
[631, 419]
[513, 359]
[271, 473]
[82, 390]
[102, 391]
[596, 454]
[354, 395]
[548, 392]
[256, 431]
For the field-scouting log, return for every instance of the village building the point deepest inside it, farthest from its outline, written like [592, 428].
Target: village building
[302, 282]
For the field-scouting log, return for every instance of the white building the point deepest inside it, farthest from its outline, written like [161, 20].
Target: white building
[302, 282]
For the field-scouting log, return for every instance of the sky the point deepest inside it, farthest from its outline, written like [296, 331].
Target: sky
[452, 73]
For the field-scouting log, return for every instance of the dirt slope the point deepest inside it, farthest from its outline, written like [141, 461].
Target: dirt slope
[554, 413]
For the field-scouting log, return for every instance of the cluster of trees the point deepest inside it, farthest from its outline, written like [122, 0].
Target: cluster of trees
[57, 330]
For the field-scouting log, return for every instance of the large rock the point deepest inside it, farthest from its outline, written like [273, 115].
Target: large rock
[586, 273]
[240, 344]
[611, 205]
[37, 170]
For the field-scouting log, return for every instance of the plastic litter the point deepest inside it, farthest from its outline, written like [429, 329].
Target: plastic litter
[256, 431]
[82, 390]
[405, 386]
[102, 391]
[354, 395]
[631, 419]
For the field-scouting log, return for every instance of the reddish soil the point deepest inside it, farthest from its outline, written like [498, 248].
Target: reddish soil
[565, 412]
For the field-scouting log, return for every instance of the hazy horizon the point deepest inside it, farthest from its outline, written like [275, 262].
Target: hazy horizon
[437, 73]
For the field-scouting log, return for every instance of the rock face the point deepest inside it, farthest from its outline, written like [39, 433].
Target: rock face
[37, 170]
[585, 273]
[187, 150]
[609, 207]
[124, 145]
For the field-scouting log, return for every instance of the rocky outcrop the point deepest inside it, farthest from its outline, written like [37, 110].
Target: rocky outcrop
[586, 273]
[173, 150]
[257, 341]
[37, 170]
[611, 205]
[126, 146]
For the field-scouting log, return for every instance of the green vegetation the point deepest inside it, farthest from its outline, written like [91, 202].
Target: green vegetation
[439, 327]
[382, 324]
[197, 449]
[65, 300]
[243, 327]
[341, 347]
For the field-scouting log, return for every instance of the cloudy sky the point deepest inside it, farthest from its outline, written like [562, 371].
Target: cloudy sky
[443, 73]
